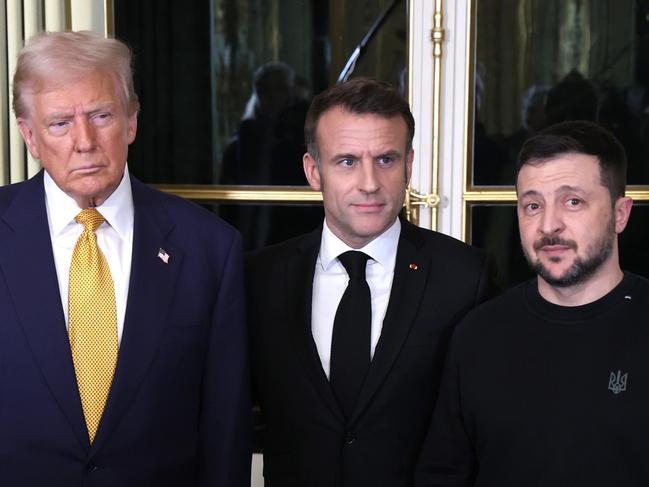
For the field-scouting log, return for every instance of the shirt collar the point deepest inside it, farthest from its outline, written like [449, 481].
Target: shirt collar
[117, 209]
[382, 249]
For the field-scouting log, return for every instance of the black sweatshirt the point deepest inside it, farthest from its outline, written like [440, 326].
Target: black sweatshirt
[536, 394]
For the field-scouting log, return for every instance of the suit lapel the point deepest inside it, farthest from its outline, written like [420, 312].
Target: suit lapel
[27, 262]
[151, 291]
[299, 290]
[407, 291]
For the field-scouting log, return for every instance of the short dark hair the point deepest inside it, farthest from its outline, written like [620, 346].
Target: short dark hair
[359, 96]
[579, 137]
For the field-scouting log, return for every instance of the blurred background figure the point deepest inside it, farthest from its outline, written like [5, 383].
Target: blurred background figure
[267, 150]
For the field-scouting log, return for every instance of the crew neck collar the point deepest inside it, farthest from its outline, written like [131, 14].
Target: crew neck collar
[558, 313]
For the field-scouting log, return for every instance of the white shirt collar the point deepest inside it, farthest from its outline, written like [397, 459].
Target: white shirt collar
[382, 249]
[117, 209]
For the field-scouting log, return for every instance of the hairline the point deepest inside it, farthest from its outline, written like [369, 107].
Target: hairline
[539, 161]
[36, 66]
[313, 150]
[38, 86]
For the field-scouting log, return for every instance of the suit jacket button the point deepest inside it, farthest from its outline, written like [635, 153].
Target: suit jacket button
[349, 438]
[91, 467]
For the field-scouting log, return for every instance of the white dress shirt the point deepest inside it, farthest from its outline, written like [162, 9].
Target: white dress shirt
[330, 281]
[114, 237]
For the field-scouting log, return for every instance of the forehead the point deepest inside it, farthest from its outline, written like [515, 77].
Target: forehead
[567, 170]
[72, 90]
[339, 128]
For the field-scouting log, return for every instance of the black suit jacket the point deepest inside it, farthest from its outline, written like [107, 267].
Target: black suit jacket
[307, 441]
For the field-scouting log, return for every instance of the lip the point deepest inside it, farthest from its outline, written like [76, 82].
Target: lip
[87, 169]
[555, 249]
[368, 207]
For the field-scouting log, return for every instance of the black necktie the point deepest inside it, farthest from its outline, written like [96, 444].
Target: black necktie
[350, 344]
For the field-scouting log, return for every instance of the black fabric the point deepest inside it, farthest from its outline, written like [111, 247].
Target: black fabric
[308, 441]
[350, 344]
[536, 394]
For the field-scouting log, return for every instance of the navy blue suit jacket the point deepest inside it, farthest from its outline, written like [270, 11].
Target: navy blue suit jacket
[178, 412]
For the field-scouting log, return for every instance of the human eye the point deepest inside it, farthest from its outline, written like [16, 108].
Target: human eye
[531, 207]
[58, 127]
[346, 162]
[101, 118]
[573, 202]
[385, 160]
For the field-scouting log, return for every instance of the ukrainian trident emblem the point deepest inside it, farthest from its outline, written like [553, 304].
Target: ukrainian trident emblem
[617, 382]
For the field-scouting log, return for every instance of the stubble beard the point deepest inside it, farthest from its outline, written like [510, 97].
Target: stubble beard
[582, 268]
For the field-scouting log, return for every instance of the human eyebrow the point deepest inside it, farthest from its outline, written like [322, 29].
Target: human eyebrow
[338, 157]
[64, 114]
[99, 108]
[528, 194]
[393, 154]
[68, 114]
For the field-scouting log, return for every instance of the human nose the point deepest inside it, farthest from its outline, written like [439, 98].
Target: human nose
[368, 178]
[551, 221]
[84, 135]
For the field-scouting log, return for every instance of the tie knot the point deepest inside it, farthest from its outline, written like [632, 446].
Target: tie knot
[354, 263]
[90, 218]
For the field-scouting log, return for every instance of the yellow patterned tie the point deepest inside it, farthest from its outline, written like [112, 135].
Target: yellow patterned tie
[93, 320]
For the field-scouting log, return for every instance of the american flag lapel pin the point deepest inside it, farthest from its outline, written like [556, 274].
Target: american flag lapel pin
[163, 255]
[413, 266]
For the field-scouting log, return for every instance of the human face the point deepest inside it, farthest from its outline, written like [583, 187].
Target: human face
[567, 223]
[363, 173]
[80, 131]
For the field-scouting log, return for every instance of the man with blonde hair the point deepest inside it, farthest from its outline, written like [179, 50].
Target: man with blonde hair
[123, 354]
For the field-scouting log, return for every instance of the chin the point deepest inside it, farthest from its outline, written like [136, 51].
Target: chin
[371, 231]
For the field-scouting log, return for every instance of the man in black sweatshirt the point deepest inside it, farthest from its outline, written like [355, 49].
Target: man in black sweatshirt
[548, 385]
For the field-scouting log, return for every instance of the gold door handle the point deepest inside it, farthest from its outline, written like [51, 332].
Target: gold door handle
[417, 199]
[429, 200]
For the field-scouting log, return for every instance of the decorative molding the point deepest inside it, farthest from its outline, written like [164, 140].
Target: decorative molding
[437, 37]
[276, 194]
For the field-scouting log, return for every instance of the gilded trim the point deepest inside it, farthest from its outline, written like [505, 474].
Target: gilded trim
[638, 193]
[68, 14]
[290, 194]
[429, 200]
[413, 197]
[437, 37]
[276, 194]
[492, 194]
[109, 21]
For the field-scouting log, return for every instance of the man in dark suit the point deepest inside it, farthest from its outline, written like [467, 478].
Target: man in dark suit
[123, 355]
[346, 370]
